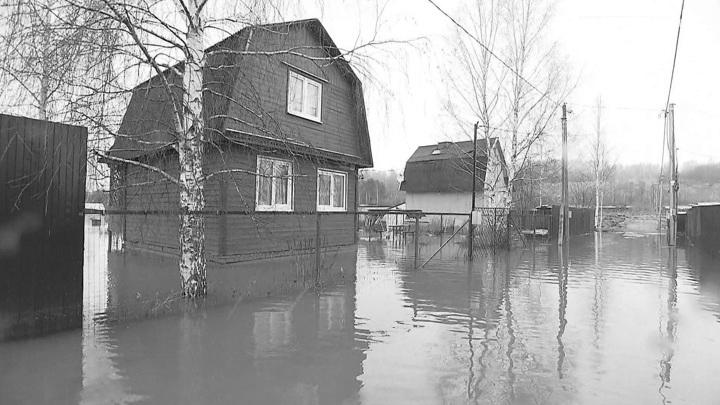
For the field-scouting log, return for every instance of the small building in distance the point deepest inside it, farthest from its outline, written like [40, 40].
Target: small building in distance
[438, 178]
[286, 134]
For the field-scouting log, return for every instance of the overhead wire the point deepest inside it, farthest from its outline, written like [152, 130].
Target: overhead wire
[504, 63]
[667, 106]
[677, 43]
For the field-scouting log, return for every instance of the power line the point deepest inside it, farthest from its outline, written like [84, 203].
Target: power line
[677, 42]
[667, 105]
[510, 68]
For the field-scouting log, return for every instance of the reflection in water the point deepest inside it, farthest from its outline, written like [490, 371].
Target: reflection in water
[101, 380]
[511, 332]
[538, 325]
[671, 322]
[564, 255]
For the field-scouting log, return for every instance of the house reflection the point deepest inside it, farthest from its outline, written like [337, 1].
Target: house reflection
[297, 349]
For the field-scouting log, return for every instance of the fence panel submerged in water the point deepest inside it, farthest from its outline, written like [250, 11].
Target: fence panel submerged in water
[42, 193]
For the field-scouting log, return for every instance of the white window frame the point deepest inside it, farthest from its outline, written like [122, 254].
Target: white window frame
[332, 179]
[290, 191]
[306, 82]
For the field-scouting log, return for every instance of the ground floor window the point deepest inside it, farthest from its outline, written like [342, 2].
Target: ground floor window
[332, 190]
[273, 185]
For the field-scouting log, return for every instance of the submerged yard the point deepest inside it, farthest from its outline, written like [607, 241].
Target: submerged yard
[621, 319]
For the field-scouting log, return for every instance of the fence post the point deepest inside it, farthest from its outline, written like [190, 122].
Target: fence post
[470, 237]
[317, 247]
[508, 218]
[532, 219]
[417, 236]
[441, 225]
[495, 238]
[109, 240]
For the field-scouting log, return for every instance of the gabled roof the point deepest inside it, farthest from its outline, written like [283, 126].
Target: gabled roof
[447, 167]
[448, 150]
[147, 125]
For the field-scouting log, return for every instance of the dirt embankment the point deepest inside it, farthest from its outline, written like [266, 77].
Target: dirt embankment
[630, 222]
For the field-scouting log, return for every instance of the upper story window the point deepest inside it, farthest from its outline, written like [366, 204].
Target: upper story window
[274, 191]
[332, 190]
[304, 96]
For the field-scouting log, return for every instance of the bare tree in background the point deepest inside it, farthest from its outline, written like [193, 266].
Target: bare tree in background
[514, 95]
[478, 92]
[166, 39]
[59, 63]
[602, 167]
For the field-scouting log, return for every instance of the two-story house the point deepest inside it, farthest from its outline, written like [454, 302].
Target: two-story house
[287, 133]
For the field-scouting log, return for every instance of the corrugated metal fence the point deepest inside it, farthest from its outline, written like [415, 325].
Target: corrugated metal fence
[703, 227]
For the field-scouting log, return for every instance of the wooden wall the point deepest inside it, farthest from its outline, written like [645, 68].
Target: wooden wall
[42, 195]
[261, 91]
[233, 237]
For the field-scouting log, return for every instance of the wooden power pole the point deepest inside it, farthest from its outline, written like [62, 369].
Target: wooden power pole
[471, 233]
[672, 153]
[564, 220]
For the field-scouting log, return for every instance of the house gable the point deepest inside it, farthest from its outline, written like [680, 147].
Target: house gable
[246, 95]
[446, 168]
[261, 91]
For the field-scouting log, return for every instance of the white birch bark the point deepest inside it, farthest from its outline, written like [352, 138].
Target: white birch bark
[190, 150]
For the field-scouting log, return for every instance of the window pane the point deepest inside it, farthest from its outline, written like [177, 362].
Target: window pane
[338, 194]
[323, 189]
[295, 93]
[312, 99]
[281, 182]
[264, 182]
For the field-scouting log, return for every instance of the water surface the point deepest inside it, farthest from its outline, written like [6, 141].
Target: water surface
[617, 319]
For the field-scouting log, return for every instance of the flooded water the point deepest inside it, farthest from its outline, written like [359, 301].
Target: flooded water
[622, 319]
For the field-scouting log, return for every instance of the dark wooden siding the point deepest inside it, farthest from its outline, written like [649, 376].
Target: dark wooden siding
[266, 234]
[232, 236]
[248, 93]
[262, 85]
[42, 194]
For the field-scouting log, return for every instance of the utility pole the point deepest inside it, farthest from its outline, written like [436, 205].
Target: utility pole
[471, 233]
[564, 220]
[672, 218]
[598, 168]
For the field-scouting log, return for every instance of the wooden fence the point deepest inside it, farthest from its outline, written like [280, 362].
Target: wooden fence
[42, 193]
[582, 220]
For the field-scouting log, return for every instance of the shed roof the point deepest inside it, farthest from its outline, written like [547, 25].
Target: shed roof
[147, 126]
[447, 167]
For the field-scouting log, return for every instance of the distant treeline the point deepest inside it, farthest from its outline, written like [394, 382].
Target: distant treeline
[380, 187]
[633, 185]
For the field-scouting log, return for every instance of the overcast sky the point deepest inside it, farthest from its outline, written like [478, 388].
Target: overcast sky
[621, 50]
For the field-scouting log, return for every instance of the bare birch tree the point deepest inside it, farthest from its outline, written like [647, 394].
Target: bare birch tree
[57, 64]
[602, 167]
[478, 92]
[527, 78]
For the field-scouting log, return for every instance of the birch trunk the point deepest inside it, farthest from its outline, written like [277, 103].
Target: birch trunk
[597, 200]
[190, 150]
[43, 98]
[512, 172]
